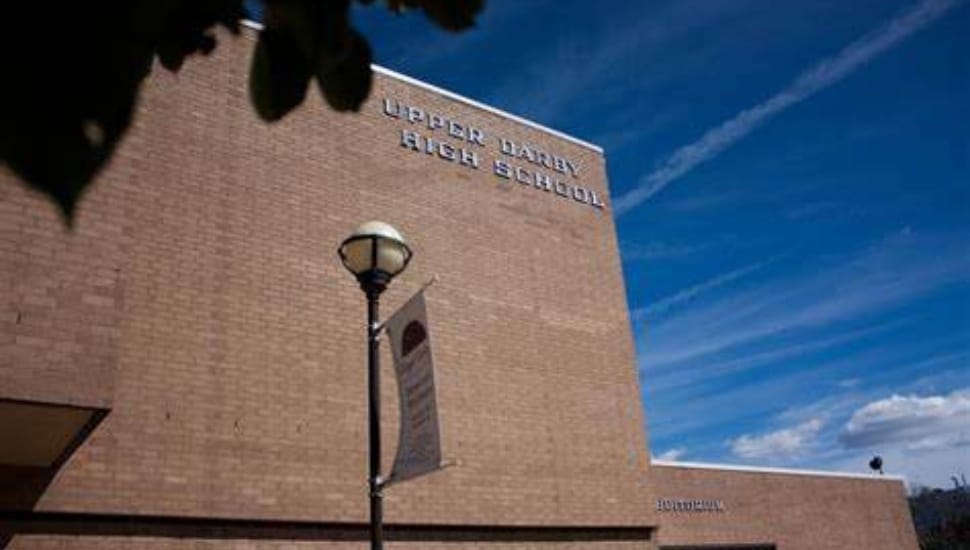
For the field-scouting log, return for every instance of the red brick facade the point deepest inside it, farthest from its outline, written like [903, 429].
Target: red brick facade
[790, 511]
[202, 299]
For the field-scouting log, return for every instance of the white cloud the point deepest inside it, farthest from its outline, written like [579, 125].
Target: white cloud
[672, 454]
[924, 460]
[821, 76]
[888, 274]
[656, 250]
[687, 375]
[688, 294]
[576, 65]
[681, 411]
[782, 444]
[927, 455]
[915, 423]
[848, 383]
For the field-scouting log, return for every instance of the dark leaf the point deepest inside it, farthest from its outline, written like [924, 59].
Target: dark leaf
[345, 77]
[332, 27]
[319, 32]
[59, 165]
[279, 74]
[298, 19]
[453, 15]
[183, 28]
[66, 106]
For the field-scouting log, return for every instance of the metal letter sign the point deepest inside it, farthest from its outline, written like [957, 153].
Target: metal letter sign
[544, 170]
[690, 505]
[419, 439]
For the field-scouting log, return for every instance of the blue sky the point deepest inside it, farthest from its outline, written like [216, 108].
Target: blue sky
[791, 184]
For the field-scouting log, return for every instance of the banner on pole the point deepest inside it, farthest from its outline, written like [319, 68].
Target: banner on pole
[419, 439]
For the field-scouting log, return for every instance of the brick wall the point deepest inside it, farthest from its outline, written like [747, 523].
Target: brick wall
[796, 512]
[63, 299]
[62, 543]
[201, 296]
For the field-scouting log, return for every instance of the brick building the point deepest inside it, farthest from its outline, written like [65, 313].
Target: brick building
[186, 368]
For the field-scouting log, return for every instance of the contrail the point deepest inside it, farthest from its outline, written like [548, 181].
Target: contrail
[664, 304]
[821, 76]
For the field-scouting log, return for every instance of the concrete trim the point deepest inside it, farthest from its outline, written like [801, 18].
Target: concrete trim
[466, 100]
[769, 470]
[488, 108]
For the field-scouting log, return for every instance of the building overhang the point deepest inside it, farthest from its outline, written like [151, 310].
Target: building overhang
[42, 435]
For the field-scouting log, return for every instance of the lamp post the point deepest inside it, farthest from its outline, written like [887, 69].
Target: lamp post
[375, 253]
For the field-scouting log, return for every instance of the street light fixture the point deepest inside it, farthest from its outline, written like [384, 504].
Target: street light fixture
[375, 253]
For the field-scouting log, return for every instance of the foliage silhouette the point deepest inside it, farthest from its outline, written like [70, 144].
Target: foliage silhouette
[72, 71]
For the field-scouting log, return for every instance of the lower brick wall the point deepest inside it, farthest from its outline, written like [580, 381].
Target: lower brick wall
[78, 530]
[37, 542]
[794, 511]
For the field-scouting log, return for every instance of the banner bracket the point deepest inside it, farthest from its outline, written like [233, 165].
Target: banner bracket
[378, 330]
[380, 482]
[381, 327]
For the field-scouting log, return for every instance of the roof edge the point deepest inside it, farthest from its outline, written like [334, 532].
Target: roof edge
[466, 100]
[771, 470]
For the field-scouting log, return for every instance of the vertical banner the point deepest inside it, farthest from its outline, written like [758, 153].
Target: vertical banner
[419, 439]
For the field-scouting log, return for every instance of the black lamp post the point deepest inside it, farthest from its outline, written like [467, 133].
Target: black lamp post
[375, 253]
